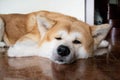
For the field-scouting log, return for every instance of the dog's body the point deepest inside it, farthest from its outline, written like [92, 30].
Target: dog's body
[58, 37]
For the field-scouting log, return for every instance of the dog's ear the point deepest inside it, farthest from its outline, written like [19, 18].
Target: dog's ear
[99, 33]
[44, 23]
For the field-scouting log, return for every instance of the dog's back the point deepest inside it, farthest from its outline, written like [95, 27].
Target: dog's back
[14, 26]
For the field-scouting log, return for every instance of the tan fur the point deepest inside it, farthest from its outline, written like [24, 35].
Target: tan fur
[16, 26]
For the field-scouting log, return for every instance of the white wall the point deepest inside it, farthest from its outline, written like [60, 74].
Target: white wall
[74, 8]
[90, 12]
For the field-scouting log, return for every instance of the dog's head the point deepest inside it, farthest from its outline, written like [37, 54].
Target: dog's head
[66, 40]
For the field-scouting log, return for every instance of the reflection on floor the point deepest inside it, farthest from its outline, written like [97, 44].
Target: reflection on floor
[106, 67]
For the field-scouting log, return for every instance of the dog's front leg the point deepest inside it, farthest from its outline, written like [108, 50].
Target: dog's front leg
[25, 46]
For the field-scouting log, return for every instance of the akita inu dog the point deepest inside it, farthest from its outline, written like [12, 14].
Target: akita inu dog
[61, 38]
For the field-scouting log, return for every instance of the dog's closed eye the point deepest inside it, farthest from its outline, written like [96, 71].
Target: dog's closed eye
[58, 38]
[76, 42]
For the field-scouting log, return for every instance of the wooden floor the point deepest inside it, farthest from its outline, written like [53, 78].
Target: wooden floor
[106, 67]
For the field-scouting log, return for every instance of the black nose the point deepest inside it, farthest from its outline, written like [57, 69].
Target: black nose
[63, 50]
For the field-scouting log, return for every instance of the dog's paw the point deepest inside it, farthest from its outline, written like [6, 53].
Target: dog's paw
[21, 51]
[17, 52]
[104, 43]
[12, 52]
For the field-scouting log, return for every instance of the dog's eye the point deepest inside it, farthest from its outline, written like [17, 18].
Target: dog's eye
[76, 42]
[58, 38]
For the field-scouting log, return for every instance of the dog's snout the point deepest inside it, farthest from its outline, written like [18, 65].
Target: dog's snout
[63, 50]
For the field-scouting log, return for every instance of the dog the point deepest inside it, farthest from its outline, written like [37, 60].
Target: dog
[61, 38]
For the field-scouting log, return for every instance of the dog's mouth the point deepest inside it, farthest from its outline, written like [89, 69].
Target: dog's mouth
[63, 60]
[60, 60]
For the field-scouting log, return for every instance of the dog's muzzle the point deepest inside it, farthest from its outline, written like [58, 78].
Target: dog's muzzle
[63, 51]
[63, 55]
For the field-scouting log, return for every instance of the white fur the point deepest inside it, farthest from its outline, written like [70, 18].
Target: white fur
[46, 49]
[71, 36]
[22, 49]
[104, 43]
[82, 53]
